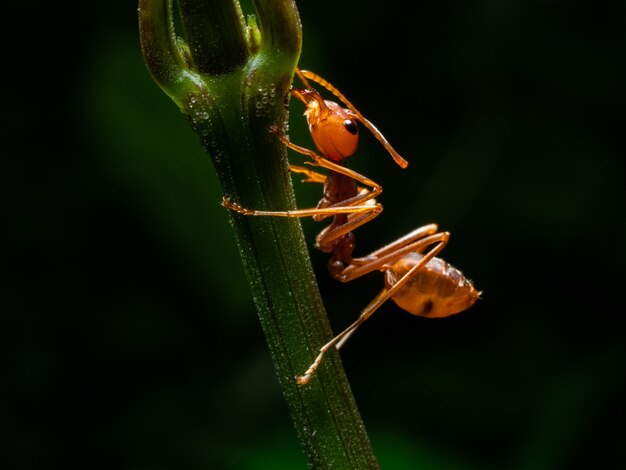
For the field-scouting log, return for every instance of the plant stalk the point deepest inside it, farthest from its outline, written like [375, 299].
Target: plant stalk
[233, 89]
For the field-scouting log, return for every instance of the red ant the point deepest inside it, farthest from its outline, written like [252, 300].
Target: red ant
[417, 281]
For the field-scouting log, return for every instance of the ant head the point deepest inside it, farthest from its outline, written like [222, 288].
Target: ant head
[324, 109]
[334, 129]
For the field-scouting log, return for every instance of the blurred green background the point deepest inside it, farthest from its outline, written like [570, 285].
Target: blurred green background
[131, 341]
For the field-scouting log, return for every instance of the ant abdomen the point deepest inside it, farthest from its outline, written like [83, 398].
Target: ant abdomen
[435, 291]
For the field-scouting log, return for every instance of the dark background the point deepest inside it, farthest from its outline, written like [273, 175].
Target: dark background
[131, 341]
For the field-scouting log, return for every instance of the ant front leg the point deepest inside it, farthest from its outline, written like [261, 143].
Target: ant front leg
[359, 204]
[320, 161]
[323, 211]
[315, 177]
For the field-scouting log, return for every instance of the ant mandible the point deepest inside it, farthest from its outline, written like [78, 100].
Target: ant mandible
[417, 281]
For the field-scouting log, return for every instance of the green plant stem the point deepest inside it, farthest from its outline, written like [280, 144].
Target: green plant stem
[232, 95]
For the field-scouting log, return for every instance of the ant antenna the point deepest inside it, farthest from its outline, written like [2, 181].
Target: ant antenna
[303, 79]
[303, 75]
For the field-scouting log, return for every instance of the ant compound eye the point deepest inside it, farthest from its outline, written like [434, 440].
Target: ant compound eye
[351, 126]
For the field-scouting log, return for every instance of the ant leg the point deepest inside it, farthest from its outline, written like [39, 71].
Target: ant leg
[416, 241]
[353, 205]
[365, 314]
[315, 177]
[386, 294]
[311, 176]
[355, 220]
[304, 378]
[441, 239]
[323, 211]
[415, 234]
[320, 161]
[356, 204]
